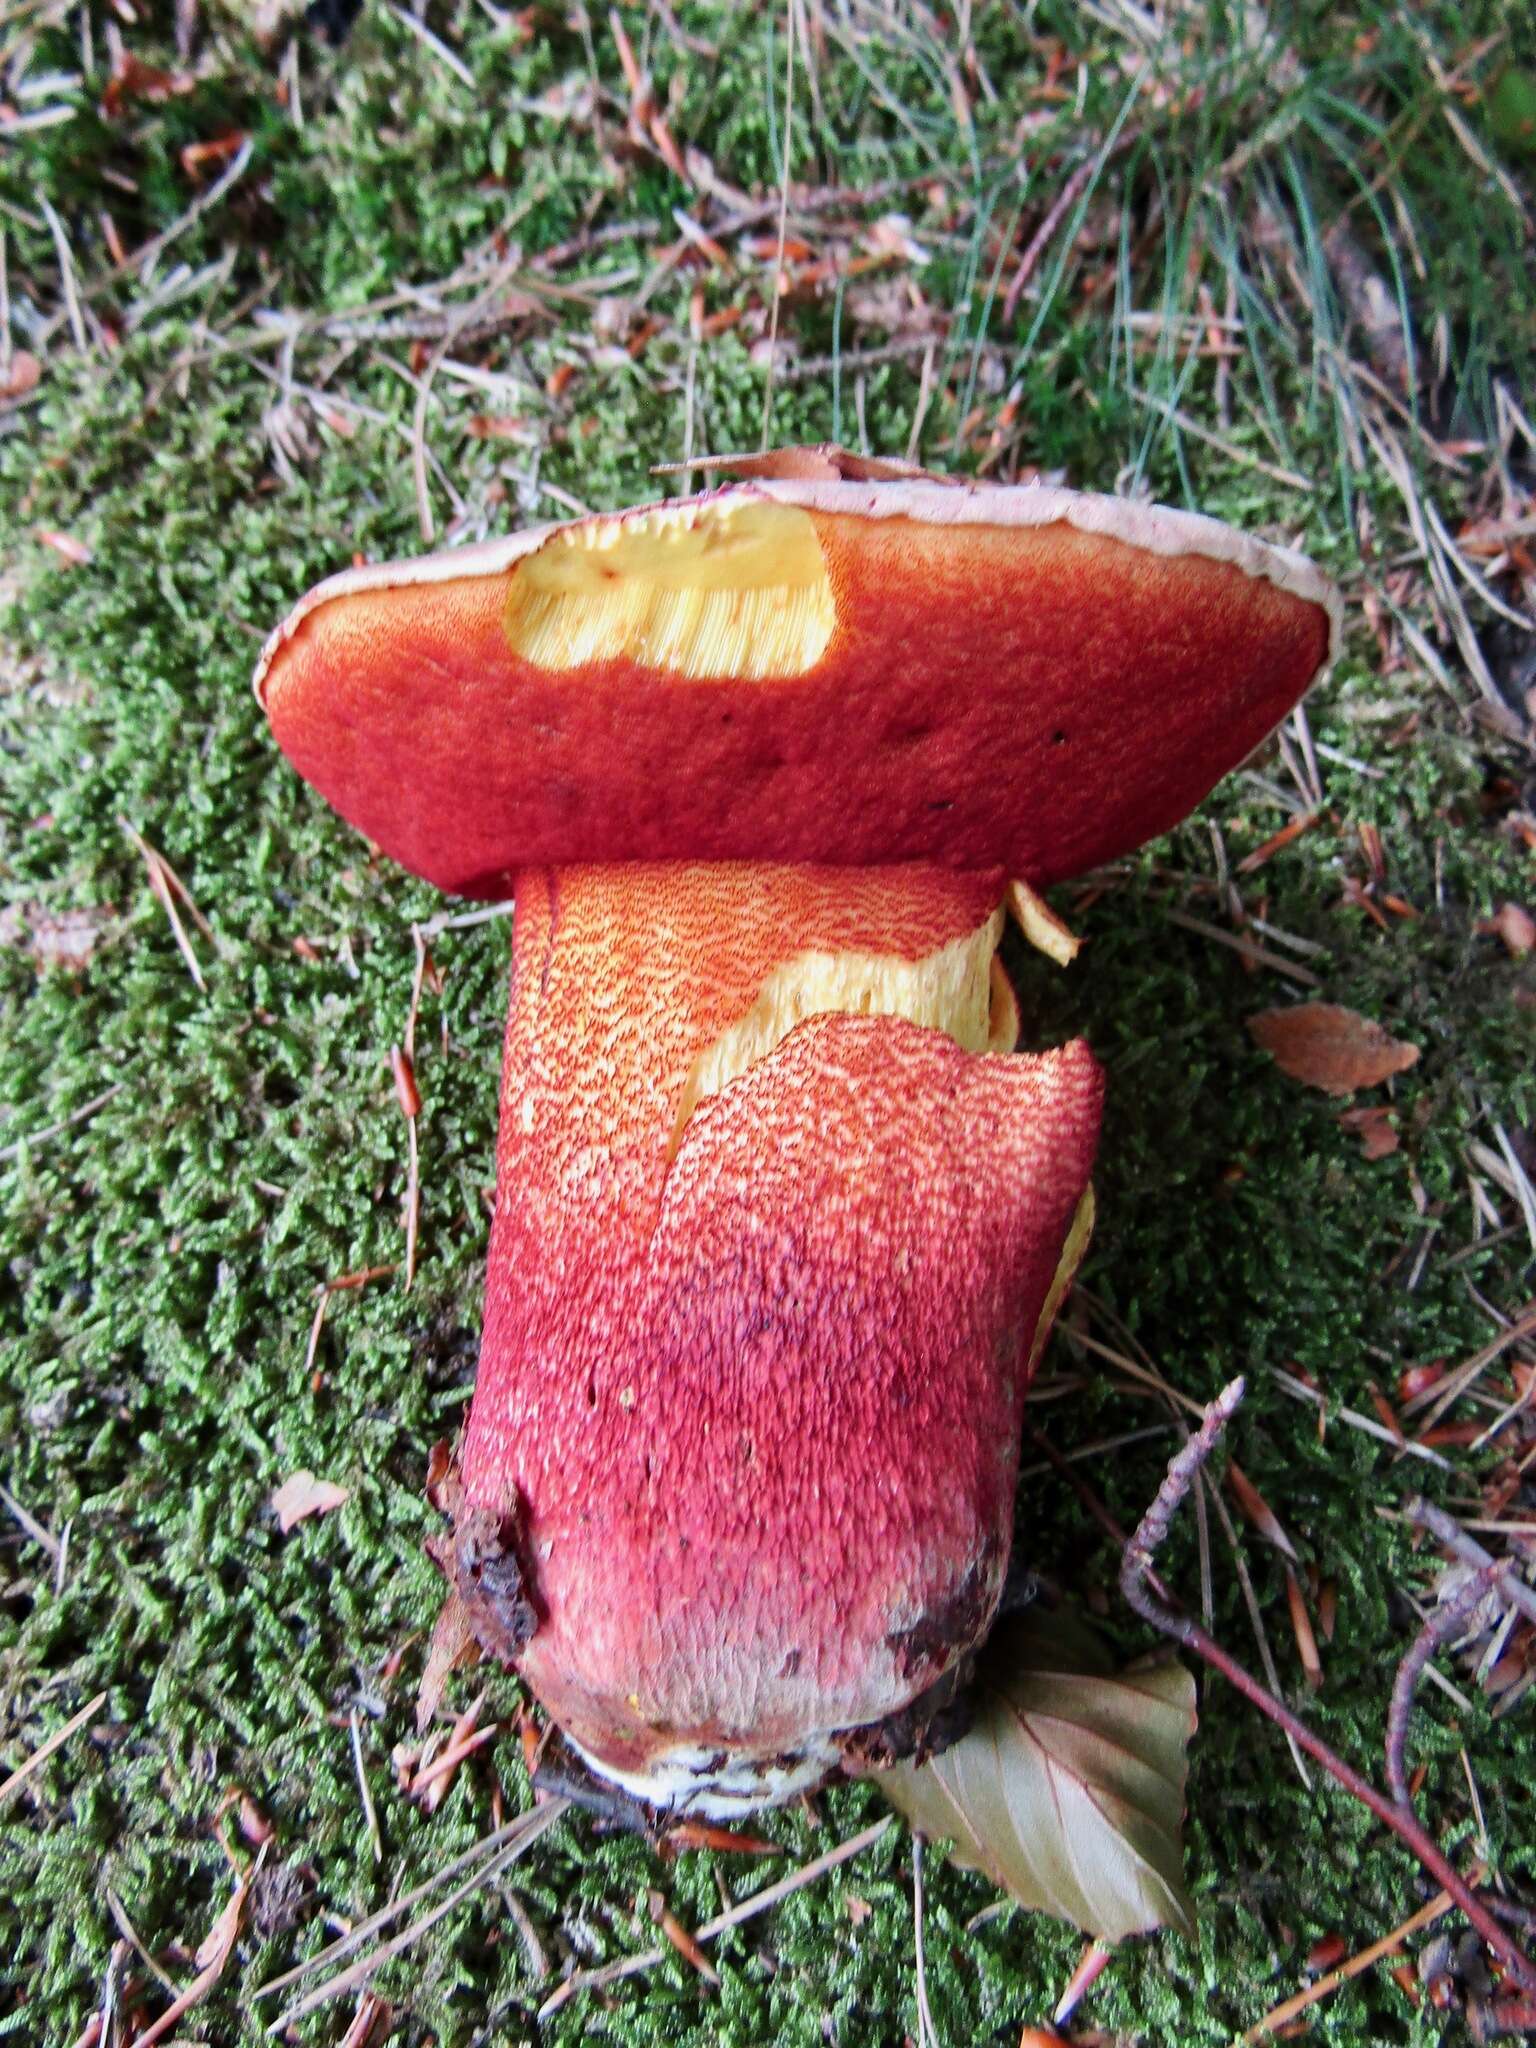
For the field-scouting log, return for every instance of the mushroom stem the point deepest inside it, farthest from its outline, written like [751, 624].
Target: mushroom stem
[776, 1233]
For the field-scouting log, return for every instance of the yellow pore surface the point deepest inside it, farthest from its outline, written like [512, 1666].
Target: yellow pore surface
[953, 990]
[737, 589]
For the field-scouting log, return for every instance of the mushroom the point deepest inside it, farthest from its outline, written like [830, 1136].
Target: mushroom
[782, 1220]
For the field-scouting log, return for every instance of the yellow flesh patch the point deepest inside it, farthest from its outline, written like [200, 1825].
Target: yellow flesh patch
[1041, 926]
[1066, 1269]
[951, 990]
[735, 589]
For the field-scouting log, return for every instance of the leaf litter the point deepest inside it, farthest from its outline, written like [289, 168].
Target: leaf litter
[1327, 1046]
[1068, 1789]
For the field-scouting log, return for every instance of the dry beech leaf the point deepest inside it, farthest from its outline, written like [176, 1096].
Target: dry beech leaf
[1329, 1047]
[1068, 1789]
[1512, 923]
[64, 939]
[1375, 1128]
[22, 376]
[304, 1495]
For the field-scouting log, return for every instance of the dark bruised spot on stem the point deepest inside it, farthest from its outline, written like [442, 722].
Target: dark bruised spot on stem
[491, 1582]
[955, 1624]
[925, 1728]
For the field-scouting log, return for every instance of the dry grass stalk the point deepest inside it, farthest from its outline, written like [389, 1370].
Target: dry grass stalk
[44, 1750]
[1326, 1986]
[65, 1123]
[760, 1902]
[167, 886]
[517, 1838]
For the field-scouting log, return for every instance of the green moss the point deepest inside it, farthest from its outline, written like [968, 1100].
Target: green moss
[160, 1259]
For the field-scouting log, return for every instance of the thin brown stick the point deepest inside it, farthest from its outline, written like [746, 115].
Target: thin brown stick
[1447, 1530]
[1443, 1626]
[1424, 1917]
[629, 1966]
[87, 1109]
[1135, 1571]
[1259, 955]
[41, 1754]
[1040, 240]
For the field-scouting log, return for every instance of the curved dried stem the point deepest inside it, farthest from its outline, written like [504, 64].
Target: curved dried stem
[1135, 1571]
[1443, 1627]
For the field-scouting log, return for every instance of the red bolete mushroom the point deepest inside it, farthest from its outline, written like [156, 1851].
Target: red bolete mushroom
[782, 1220]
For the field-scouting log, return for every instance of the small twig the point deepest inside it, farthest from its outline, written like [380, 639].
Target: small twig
[87, 1109]
[33, 1527]
[1447, 1530]
[1259, 955]
[57, 1740]
[342, 1284]
[1135, 1572]
[1443, 1626]
[1040, 240]
[629, 1966]
[927, 2032]
[131, 1935]
[1283, 2013]
[370, 1812]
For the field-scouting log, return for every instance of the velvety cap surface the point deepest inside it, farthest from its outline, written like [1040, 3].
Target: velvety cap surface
[845, 672]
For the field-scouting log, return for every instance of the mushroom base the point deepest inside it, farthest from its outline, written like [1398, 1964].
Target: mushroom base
[692, 1781]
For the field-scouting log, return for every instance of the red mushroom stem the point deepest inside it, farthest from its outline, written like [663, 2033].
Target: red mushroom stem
[739, 1474]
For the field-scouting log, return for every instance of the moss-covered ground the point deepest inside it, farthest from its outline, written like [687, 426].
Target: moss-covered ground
[213, 430]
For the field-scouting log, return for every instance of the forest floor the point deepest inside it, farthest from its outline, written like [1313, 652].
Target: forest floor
[271, 303]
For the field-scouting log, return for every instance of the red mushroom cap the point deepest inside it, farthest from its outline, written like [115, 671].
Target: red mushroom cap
[843, 672]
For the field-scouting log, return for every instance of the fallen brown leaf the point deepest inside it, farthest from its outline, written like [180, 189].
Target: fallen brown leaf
[304, 1495]
[1376, 1129]
[1068, 1789]
[1329, 1047]
[453, 1642]
[22, 376]
[73, 552]
[66, 938]
[1514, 925]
